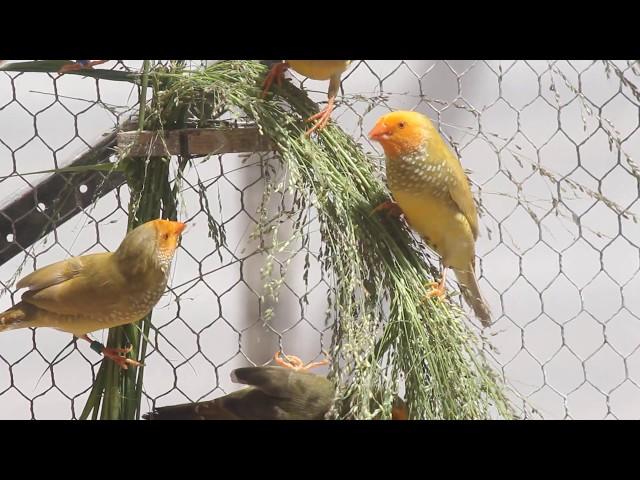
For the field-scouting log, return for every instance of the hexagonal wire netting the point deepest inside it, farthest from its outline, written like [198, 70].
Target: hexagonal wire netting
[548, 145]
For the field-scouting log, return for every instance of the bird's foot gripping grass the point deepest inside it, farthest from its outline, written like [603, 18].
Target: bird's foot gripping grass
[122, 361]
[389, 208]
[276, 73]
[114, 354]
[81, 65]
[295, 363]
[437, 289]
[321, 118]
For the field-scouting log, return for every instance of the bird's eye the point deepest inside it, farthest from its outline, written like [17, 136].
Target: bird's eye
[165, 236]
[401, 125]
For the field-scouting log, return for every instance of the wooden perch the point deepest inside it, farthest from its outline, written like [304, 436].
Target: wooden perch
[22, 223]
[194, 142]
[61, 197]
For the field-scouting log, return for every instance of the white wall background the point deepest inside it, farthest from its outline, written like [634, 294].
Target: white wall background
[564, 292]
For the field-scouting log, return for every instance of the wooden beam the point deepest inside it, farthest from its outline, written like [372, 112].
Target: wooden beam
[60, 193]
[194, 141]
[61, 197]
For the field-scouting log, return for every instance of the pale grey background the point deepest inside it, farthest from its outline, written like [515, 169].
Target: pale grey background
[563, 287]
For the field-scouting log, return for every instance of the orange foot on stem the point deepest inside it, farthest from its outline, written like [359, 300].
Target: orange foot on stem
[114, 354]
[123, 362]
[437, 289]
[321, 118]
[295, 363]
[81, 65]
[276, 73]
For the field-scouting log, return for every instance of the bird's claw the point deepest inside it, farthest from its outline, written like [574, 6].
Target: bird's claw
[295, 363]
[437, 290]
[321, 118]
[123, 362]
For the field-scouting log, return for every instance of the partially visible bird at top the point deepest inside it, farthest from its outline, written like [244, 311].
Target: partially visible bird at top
[431, 189]
[80, 65]
[101, 290]
[330, 70]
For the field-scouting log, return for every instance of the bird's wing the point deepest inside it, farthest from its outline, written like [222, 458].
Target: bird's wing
[80, 285]
[459, 189]
[253, 404]
[275, 393]
[209, 410]
[274, 381]
[51, 274]
[245, 404]
[289, 394]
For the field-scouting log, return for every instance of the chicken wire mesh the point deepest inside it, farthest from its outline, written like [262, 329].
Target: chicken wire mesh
[549, 146]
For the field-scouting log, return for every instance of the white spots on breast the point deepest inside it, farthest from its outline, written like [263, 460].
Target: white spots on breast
[418, 173]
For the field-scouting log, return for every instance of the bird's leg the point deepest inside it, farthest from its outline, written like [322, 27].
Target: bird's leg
[289, 361]
[113, 353]
[80, 65]
[295, 363]
[389, 208]
[438, 288]
[321, 118]
[276, 73]
[311, 365]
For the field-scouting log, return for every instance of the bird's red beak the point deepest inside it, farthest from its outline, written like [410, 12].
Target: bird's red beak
[180, 227]
[379, 132]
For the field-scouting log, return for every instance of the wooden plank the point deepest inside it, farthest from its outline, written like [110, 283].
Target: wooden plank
[194, 142]
[61, 197]
[25, 223]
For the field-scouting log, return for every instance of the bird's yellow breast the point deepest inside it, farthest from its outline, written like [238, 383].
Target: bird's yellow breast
[440, 223]
[421, 183]
[319, 69]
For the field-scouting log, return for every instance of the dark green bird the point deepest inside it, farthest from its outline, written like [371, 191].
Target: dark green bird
[274, 393]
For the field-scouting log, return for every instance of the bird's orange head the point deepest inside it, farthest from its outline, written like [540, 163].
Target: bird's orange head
[168, 233]
[402, 132]
[150, 245]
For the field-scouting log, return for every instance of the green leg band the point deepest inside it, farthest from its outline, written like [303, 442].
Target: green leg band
[97, 347]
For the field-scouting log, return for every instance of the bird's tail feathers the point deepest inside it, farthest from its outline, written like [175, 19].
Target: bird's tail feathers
[471, 294]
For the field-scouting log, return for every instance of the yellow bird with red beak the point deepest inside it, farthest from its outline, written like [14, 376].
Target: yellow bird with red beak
[102, 290]
[432, 191]
[330, 70]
